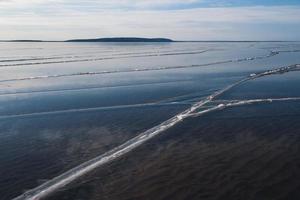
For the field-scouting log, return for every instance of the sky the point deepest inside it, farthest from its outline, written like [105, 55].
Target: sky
[175, 19]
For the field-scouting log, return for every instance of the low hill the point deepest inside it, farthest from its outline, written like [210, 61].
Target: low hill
[122, 39]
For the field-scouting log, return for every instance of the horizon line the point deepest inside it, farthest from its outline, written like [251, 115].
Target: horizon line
[93, 40]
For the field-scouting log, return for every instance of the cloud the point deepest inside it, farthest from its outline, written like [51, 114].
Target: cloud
[104, 4]
[63, 19]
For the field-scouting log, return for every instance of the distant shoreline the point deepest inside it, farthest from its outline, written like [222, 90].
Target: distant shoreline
[118, 39]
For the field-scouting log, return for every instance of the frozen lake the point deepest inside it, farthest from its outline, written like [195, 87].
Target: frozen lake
[207, 120]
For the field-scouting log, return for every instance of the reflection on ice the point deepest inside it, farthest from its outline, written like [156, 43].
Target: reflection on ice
[69, 176]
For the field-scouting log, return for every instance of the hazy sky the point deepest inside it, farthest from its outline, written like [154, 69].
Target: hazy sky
[176, 19]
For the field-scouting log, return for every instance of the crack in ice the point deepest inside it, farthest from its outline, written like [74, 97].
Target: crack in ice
[272, 53]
